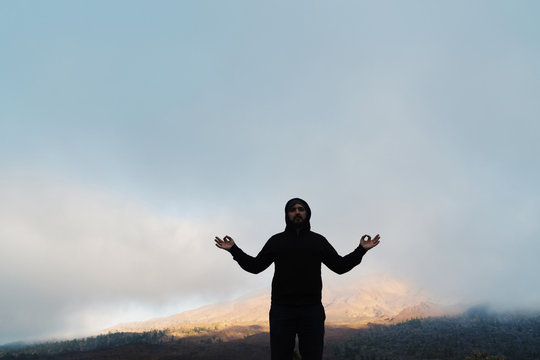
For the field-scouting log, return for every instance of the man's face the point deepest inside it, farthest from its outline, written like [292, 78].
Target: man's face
[297, 214]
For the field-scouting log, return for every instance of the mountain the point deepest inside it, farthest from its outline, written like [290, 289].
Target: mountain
[354, 302]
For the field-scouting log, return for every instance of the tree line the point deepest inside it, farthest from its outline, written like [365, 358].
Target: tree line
[472, 336]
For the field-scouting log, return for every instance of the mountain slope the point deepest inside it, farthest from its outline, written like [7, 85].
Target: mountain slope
[378, 299]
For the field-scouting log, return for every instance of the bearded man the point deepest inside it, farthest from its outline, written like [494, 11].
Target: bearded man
[297, 254]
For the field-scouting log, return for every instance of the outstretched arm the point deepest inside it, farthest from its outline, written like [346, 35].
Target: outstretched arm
[342, 264]
[249, 263]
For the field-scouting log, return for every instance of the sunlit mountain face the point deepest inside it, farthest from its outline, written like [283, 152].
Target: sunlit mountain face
[355, 302]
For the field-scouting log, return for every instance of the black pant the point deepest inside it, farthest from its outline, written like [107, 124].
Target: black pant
[306, 321]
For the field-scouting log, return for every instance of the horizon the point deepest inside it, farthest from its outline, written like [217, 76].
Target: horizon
[133, 133]
[456, 309]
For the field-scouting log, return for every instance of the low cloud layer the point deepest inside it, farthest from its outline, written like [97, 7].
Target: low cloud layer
[75, 259]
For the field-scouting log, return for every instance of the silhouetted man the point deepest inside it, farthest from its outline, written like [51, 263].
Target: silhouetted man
[296, 287]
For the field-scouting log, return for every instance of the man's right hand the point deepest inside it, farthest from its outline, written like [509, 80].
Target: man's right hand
[225, 244]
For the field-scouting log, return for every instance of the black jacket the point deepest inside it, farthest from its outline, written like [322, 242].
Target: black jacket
[297, 255]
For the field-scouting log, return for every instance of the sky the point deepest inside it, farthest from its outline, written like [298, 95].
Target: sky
[133, 132]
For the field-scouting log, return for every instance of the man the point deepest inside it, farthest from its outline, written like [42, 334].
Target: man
[297, 286]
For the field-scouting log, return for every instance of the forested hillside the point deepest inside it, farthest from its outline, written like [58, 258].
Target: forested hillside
[470, 336]
[510, 337]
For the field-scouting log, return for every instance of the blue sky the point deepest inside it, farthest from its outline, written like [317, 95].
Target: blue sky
[132, 132]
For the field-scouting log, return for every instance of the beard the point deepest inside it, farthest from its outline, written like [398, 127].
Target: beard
[298, 221]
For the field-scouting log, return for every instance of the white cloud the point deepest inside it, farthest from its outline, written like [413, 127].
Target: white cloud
[70, 251]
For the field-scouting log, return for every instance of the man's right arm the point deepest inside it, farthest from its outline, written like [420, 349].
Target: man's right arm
[249, 263]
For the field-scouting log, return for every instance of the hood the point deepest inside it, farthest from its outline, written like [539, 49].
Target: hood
[293, 202]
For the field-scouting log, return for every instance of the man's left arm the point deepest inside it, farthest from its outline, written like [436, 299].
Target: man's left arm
[342, 264]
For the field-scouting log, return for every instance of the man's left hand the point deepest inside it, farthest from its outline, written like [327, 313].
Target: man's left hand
[368, 243]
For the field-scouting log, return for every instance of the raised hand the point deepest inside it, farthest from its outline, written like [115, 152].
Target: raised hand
[225, 244]
[368, 243]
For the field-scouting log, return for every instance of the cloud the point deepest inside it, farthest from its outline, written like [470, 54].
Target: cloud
[78, 257]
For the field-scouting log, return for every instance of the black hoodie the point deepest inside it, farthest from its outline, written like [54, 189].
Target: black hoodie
[297, 255]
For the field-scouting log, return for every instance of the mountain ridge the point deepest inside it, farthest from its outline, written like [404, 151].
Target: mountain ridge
[353, 302]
